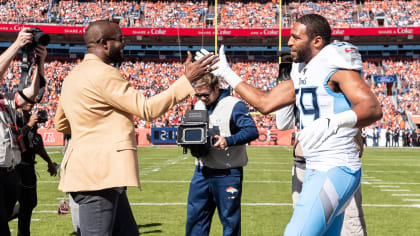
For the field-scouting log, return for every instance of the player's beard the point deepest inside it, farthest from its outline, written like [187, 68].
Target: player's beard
[303, 54]
[115, 54]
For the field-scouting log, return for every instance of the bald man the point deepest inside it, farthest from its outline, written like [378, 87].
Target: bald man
[96, 107]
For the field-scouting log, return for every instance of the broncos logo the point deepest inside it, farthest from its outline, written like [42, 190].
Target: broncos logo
[231, 190]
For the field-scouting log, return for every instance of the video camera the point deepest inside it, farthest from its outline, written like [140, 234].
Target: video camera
[194, 133]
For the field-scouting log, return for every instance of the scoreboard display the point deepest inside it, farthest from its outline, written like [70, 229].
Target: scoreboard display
[164, 135]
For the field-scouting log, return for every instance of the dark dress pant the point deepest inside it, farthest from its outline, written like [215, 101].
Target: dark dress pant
[100, 210]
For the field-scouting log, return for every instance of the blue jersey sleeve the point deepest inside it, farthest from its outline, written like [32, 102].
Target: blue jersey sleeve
[242, 126]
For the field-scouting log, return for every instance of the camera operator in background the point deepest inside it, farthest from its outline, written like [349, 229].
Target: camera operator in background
[12, 145]
[217, 180]
[26, 168]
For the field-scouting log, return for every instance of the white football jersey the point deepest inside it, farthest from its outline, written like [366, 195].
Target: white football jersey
[315, 99]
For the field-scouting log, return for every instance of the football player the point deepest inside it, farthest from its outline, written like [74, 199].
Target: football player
[333, 101]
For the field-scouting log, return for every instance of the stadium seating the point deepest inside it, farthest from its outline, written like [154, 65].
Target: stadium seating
[153, 76]
[192, 14]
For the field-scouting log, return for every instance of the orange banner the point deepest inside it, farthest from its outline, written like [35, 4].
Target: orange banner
[143, 136]
[51, 137]
[274, 137]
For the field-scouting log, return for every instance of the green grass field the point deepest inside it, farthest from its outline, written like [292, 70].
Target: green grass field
[390, 185]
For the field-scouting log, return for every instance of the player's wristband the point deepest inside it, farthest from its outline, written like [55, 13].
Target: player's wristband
[346, 119]
[232, 78]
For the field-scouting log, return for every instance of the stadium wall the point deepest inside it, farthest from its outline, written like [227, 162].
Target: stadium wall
[52, 137]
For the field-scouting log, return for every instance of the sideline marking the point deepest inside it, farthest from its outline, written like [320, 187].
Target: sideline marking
[390, 205]
[159, 166]
[376, 180]
[244, 204]
[411, 200]
[245, 181]
[31, 219]
[55, 212]
[377, 164]
[387, 171]
[269, 163]
[390, 159]
[406, 194]
[386, 186]
[269, 170]
[55, 152]
[395, 190]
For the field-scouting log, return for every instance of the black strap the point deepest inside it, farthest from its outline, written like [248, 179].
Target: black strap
[24, 75]
[25, 97]
[25, 80]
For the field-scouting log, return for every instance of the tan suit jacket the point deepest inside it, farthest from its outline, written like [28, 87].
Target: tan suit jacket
[96, 107]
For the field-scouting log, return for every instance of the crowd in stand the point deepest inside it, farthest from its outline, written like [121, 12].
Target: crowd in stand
[154, 76]
[190, 14]
[407, 91]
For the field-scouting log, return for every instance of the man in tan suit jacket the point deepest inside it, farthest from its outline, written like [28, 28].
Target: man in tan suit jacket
[96, 107]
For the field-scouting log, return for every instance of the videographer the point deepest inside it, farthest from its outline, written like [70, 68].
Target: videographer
[26, 168]
[217, 180]
[12, 145]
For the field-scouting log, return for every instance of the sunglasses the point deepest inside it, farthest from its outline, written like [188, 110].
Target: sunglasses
[205, 95]
[121, 39]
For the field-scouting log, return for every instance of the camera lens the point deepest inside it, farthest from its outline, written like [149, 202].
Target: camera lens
[42, 38]
[42, 116]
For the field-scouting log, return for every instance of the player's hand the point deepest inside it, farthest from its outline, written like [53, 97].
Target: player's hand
[52, 168]
[41, 53]
[321, 129]
[221, 142]
[195, 70]
[24, 37]
[222, 67]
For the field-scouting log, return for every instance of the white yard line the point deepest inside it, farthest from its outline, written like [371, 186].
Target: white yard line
[411, 200]
[375, 180]
[270, 170]
[378, 164]
[32, 219]
[54, 152]
[55, 212]
[269, 163]
[245, 181]
[386, 186]
[391, 205]
[159, 166]
[243, 204]
[395, 190]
